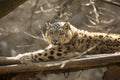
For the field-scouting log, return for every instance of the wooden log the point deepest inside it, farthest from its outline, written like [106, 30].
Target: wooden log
[87, 62]
[6, 6]
[9, 60]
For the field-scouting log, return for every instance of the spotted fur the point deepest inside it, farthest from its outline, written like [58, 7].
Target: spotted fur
[65, 40]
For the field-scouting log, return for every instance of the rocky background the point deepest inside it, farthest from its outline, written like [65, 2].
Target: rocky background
[22, 30]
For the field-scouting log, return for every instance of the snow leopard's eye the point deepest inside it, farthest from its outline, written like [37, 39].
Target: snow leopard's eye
[62, 32]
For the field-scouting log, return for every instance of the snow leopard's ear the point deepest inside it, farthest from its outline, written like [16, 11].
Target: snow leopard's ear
[66, 25]
[48, 25]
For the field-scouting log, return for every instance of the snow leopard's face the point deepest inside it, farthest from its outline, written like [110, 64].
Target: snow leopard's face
[58, 33]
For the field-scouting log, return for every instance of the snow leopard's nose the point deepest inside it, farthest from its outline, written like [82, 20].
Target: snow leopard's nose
[55, 41]
[55, 38]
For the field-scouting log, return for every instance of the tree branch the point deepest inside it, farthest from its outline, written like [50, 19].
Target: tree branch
[6, 6]
[90, 61]
[112, 2]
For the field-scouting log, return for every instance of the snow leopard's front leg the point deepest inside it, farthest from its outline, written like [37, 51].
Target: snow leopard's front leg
[51, 53]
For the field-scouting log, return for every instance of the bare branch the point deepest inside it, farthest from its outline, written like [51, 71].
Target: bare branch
[95, 11]
[112, 2]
